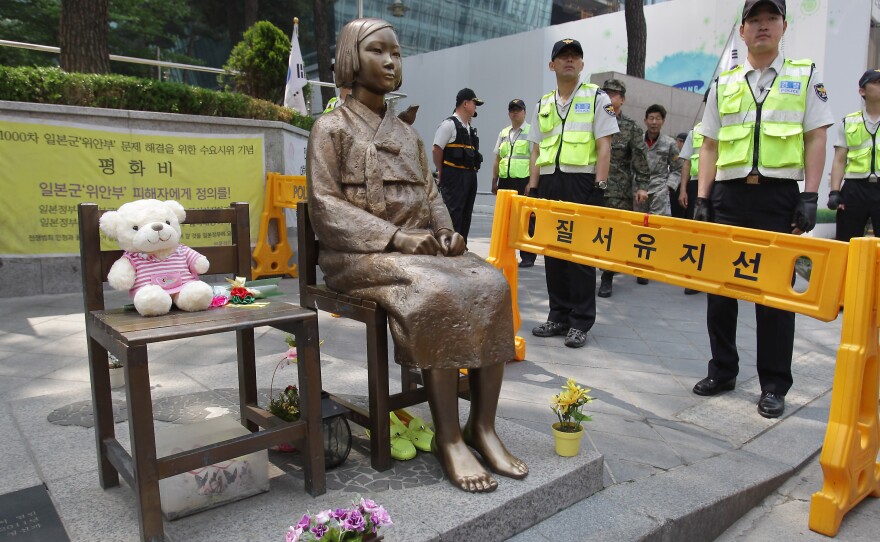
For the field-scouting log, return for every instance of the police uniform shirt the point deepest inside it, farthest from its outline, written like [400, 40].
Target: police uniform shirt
[688, 149]
[445, 133]
[870, 124]
[604, 123]
[817, 114]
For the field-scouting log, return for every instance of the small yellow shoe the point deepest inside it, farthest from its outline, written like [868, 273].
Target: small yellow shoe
[402, 449]
[420, 435]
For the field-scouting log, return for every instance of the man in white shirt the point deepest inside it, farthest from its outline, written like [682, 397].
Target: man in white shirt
[856, 159]
[764, 130]
[510, 171]
[559, 170]
[456, 155]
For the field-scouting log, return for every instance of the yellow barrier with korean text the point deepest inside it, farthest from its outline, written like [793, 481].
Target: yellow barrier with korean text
[752, 265]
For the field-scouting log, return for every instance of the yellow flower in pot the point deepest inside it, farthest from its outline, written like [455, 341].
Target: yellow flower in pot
[568, 406]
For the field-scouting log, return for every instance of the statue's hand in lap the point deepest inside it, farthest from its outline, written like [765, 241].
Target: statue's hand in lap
[415, 243]
[452, 243]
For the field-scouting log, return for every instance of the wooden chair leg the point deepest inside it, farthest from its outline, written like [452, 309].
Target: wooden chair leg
[309, 377]
[247, 375]
[409, 380]
[377, 385]
[143, 444]
[102, 409]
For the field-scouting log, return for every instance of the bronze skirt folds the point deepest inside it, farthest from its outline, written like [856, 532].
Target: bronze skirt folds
[443, 313]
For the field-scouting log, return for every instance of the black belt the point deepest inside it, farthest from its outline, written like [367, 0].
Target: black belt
[757, 179]
[869, 179]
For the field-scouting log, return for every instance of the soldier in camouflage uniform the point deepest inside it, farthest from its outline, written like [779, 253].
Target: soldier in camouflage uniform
[628, 162]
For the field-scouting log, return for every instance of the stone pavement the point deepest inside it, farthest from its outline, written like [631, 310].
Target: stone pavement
[676, 466]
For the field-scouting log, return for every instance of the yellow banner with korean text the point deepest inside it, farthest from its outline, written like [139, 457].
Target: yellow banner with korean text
[47, 169]
[752, 265]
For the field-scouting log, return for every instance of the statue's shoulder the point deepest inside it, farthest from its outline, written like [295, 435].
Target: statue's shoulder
[404, 130]
[322, 124]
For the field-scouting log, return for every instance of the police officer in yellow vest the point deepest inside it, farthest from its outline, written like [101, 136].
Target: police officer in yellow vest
[764, 130]
[690, 155]
[857, 159]
[335, 102]
[571, 130]
[511, 168]
[687, 188]
[679, 210]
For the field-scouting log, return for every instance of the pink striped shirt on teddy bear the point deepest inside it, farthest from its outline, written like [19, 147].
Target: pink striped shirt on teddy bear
[171, 274]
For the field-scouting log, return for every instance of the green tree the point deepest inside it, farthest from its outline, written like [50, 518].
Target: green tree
[29, 21]
[260, 59]
[200, 32]
[147, 29]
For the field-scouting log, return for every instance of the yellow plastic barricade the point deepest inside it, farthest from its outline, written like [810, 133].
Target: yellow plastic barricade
[282, 191]
[746, 264]
[849, 455]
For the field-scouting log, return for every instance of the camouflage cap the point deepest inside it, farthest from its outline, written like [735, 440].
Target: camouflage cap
[614, 85]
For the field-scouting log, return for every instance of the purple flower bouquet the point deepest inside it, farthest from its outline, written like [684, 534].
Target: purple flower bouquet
[361, 521]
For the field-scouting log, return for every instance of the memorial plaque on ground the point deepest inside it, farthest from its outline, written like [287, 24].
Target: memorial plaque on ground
[29, 515]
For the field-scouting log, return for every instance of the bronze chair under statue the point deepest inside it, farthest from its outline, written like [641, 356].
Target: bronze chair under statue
[386, 236]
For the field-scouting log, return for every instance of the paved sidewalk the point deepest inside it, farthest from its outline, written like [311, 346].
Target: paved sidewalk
[676, 466]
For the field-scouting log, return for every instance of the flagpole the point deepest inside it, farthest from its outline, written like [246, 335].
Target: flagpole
[296, 80]
[360, 9]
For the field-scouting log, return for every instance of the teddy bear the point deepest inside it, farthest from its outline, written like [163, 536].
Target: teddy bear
[155, 268]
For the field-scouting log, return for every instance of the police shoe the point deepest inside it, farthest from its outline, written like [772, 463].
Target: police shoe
[771, 405]
[525, 263]
[549, 329]
[642, 280]
[690, 291]
[605, 287]
[575, 338]
[710, 386]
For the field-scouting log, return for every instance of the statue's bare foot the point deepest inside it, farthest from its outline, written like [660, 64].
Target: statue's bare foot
[501, 461]
[462, 468]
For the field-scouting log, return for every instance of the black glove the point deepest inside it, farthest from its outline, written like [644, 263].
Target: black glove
[703, 210]
[804, 217]
[834, 199]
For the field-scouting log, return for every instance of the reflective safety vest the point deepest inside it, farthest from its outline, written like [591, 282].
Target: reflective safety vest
[862, 148]
[767, 137]
[697, 142]
[570, 141]
[514, 164]
[332, 104]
